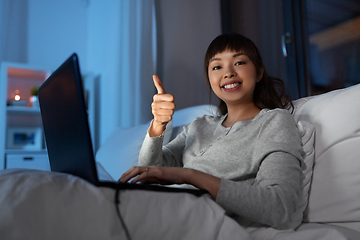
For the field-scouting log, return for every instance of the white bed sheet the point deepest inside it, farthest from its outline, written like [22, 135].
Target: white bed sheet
[318, 231]
[44, 205]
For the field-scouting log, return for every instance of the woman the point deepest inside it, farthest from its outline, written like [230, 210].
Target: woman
[249, 158]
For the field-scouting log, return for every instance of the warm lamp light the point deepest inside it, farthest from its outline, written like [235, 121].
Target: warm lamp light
[16, 100]
[17, 96]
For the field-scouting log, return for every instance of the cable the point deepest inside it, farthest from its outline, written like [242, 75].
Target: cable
[117, 201]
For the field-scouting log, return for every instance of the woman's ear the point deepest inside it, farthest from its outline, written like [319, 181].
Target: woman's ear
[260, 75]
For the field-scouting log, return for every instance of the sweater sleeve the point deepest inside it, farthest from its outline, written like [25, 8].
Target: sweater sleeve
[153, 153]
[271, 197]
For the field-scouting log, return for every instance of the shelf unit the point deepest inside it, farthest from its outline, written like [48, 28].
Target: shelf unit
[21, 139]
[22, 142]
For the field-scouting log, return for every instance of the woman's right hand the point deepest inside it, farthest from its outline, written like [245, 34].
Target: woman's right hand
[162, 108]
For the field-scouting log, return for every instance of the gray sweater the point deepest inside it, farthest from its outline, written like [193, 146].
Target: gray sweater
[259, 162]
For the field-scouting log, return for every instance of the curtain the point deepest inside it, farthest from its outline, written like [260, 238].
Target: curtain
[121, 48]
[13, 30]
[137, 61]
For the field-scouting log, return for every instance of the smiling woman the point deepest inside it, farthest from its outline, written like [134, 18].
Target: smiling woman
[249, 158]
[233, 77]
[269, 92]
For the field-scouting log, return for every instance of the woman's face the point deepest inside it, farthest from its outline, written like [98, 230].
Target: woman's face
[233, 77]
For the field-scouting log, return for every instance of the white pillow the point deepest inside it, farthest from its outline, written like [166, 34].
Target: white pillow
[121, 149]
[307, 132]
[335, 189]
[185, 116]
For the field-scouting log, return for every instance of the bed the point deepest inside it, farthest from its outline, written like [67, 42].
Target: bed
[43, 205]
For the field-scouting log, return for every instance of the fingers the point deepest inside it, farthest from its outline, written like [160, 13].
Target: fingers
[138, 174]
[132, 172]
[158, 85]
[162, 111]
[163, 98]
[154, 174]
[127, 175]
[162, 107]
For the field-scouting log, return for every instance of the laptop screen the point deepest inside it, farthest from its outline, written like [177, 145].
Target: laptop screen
[65, 122]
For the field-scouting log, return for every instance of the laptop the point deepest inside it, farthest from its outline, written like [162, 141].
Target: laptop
[67, 133]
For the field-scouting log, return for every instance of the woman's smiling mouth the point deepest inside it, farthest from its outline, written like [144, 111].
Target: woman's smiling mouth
[231, 86]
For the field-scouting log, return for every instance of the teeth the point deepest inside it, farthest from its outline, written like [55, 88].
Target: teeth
[228, 86]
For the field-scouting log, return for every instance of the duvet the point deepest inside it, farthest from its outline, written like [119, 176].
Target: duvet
[45, 205]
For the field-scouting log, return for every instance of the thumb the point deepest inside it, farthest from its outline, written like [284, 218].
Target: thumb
[158, 85]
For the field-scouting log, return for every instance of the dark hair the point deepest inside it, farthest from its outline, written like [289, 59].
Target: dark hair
[269, 92]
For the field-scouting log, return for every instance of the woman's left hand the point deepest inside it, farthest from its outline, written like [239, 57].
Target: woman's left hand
[154, 174]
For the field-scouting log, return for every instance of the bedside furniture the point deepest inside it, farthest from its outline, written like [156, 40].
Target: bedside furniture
[22, 142]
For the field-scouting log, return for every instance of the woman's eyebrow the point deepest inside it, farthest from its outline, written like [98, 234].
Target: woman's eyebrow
[214, 59]
[234, 56]
[238, 54]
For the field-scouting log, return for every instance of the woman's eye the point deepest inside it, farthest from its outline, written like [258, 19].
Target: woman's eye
[240, 63]
[216, 68]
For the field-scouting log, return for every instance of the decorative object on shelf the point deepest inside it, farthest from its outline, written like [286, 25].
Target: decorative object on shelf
[17, 101]
[17, 95]
[24, 138]
[34, 98]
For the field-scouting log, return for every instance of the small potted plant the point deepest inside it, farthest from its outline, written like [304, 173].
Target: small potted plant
[34, 99]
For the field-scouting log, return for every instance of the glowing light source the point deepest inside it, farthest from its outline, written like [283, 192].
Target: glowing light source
[17, 96]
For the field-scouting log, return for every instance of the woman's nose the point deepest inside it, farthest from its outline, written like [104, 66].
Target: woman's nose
[230, 74]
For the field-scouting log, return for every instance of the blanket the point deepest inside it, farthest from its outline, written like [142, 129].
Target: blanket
[46, 205]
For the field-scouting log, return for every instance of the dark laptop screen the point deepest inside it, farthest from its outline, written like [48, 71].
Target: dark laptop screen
[65, 122]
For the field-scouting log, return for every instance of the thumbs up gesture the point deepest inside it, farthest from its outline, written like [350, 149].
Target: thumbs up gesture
[162, 108]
